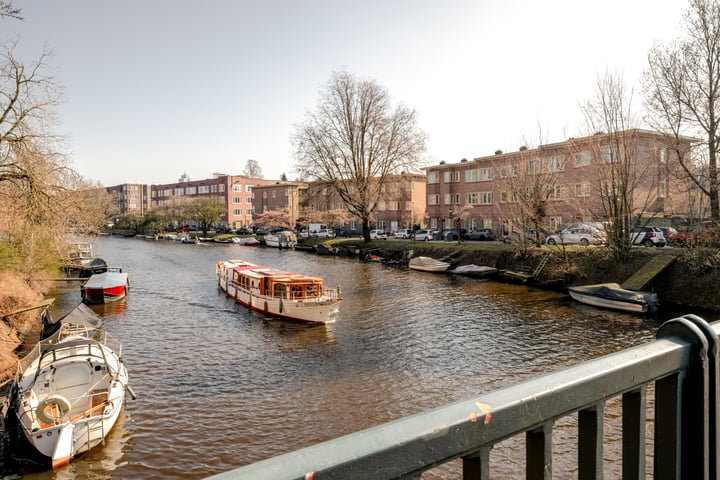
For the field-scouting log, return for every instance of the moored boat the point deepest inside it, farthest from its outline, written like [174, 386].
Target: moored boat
[69, 391]
[282, 239]
[105, 287]
[247, 241]
[476, 271]
[428, 264]
[613, 296]
[278, 293]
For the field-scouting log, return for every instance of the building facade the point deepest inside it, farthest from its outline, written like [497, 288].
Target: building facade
[130, 198]
[401, 204]
[279, 196]
[235, 191]
[561, 183]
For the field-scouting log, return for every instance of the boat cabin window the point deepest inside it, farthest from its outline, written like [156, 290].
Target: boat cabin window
[296, 291]
[279, 290]
[312, 290]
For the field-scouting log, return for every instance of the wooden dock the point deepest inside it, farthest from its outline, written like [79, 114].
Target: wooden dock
[654, 267]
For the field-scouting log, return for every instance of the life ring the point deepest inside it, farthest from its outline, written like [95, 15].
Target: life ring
[60, 404]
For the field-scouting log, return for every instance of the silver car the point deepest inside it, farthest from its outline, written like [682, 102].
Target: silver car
[578, 235]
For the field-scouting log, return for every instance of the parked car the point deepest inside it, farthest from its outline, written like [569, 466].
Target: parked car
[578, 235]
[481, 234]
[527, 236]
[423, 235]
[707, 233]
[378, 235]
[403, 233]
[647, 236]
[454, 235]
[326, 233]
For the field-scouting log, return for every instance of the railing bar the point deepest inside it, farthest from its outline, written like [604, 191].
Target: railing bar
[667, 445]
[538, 451]
[477, 465]
[590, 442]
[634, 406]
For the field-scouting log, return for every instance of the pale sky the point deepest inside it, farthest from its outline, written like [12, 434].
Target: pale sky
[158, 88]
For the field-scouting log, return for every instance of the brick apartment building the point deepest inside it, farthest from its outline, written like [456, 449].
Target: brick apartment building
[401, 204]
[491, 191]
[235, 191]
[279, 196]
[130, 198]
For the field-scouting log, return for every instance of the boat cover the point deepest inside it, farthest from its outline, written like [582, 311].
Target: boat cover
[613, 291]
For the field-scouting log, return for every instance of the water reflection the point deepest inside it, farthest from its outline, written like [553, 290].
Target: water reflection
[220, 387]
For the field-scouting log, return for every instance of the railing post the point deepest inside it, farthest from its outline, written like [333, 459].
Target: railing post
[634, 406]
[538, 448]
[476, 466]
[713, 391]
[590, 442]
[690, 390]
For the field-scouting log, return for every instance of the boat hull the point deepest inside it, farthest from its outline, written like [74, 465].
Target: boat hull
[427, 264]
[69, 395]
[105, 288]
[321, 309]
[614, 297]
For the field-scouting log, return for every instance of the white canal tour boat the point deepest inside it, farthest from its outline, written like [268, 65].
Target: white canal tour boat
[278, 293]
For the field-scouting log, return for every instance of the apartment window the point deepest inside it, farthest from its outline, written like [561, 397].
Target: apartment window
[433, 199]
[486, 174]
[555, 193]
[237, 212]
[662, 156]
[582, 159]
[248, 199]
[153, 193]
[452, 198]
[582, 189]
[450, 177]
[556, 163]
[381, 206]
[264, 194]
[393, 205]
[203, 189]
[248, 188]
[508, 196]
[190, 190]
[471, 175]
[249, 211]
[213, 188]
[534, 166]
[486, 198]
[662, 189]
[236, 200]
[179, 191]
[236, 187]
[274, 193]
[509, 171]
[472, 198]
[555, 223]
[611, 154]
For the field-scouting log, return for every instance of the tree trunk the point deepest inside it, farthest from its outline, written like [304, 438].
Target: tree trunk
[366, 228]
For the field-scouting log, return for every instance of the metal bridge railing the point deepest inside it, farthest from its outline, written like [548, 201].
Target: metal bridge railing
[682, 363]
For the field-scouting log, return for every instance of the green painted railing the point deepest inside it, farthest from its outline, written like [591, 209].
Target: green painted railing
[682, 364]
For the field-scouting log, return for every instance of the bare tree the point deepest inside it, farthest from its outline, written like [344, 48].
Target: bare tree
[626, 182]
[7, 10]
[682, 92]
[527, 187]
[35, 178]
[354, 140]
[252, 169]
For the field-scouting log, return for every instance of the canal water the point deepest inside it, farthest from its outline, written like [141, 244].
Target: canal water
[219, 387]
